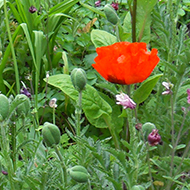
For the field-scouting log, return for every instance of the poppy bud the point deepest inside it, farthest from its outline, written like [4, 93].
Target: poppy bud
[24, 108]
[4, 108]
[79, 174]
[147, 128]
[154, 138]
[51, 134]
[137, 187]
[78, 78]
[111, 14]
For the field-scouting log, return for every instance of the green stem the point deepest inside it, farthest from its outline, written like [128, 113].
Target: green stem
[12, 48]
[6, 150]
[62, 164]
[54, 115]
[78, 114]
[133, 17]
[13, 144]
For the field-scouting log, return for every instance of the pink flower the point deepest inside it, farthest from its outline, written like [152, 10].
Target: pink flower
[188, 96]
[115, 5]
[125, 101]
[154, 138]
[98, 3]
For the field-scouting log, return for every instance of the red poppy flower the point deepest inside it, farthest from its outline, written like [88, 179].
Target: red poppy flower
[125, 62]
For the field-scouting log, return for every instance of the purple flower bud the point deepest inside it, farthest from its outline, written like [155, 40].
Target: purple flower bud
[154, 138]
[125, 101]
[24, 90]
[98, 3]
[32, 9]
[138, 126]
[115, 5]
[4, 172]
[188, 96]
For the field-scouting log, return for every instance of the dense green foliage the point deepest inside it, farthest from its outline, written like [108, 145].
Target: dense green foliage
[38, 52]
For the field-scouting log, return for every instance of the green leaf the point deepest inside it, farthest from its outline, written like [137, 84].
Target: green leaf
[102, 38]
[142, 93]
[63, 7]
[94, 107]
[93, 9]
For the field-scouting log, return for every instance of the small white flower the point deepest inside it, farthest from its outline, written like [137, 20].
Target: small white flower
[125, 101]
[47, 74]
[168, 87]
[52, 103]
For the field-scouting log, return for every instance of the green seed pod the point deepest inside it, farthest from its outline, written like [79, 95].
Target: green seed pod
[79, 174]
[4, 107]
[137, 187]
[111, 14]
[147, 129]
[24, 108]
[78, 78]
[51, 134]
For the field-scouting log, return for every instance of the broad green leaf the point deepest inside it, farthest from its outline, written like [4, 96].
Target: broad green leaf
[94, 107]
[142, 93]
[102, 38]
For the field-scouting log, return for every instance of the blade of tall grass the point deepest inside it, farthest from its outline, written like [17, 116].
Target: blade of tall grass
[12, 48]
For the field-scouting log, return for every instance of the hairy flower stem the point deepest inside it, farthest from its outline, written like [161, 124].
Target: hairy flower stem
[173, 142]
[64, 179]
[78, 112]
[54, 115]
[148, 159]
[6, 154]
[133, 17]
[13, 144]
[12, 48]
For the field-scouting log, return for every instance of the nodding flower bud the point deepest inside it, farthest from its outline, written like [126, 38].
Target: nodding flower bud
[32, 9]
[78, 78]
[154, 138]
[111, 14]
[79, 174]
[4, 107]
[51, 134]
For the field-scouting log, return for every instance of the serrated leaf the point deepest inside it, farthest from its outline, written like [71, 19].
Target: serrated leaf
[102, 38]
[142, 93]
